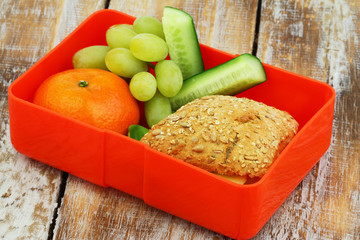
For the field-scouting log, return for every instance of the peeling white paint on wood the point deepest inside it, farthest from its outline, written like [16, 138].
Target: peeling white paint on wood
[108, 213]
[318, 39]
[326, 205]
[225, 25]
[338, 30]
[27, 193]
[28, 189]
[73, 13]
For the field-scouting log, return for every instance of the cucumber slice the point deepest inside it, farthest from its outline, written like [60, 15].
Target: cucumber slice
[229, 78]
[180, 35]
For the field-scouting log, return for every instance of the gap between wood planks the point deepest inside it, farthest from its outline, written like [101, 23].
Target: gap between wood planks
[257, 27]
[106, 4]
[64, 178]
[65, 175]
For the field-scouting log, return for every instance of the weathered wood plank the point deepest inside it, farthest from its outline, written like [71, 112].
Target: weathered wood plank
[29, 189]
[225, 25]
[91, 212]
[314, 38]
[73, 13]
[320, 39]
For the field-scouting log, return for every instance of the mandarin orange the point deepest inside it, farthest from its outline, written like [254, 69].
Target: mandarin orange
[94, 96]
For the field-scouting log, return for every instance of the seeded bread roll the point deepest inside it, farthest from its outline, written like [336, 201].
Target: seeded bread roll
[224, 135]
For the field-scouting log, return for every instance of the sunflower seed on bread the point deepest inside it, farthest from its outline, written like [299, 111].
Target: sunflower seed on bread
[224, 135]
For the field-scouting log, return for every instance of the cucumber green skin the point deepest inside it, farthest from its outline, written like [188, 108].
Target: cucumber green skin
[221, 80]
[182, 40]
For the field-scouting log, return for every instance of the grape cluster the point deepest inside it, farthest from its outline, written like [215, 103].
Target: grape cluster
[130, 50]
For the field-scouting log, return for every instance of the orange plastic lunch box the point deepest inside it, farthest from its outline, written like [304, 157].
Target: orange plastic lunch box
[112, 160]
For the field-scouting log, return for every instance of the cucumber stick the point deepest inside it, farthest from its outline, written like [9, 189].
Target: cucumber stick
[229, 78]
[181, 37]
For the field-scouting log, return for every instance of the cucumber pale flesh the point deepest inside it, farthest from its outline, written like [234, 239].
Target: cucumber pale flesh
[229, 78]
[181, 37]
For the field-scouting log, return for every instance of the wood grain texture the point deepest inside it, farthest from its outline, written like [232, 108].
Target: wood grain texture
[73, 13]
[315, 210]
[28, 189]
[225, 25]
[320, 39]
[91, 212]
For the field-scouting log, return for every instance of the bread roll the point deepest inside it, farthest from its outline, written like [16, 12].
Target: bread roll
[224, 135]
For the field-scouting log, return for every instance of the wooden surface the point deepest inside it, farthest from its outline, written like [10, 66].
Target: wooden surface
[319, 39]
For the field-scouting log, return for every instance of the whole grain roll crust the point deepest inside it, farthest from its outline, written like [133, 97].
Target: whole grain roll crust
[225, 135]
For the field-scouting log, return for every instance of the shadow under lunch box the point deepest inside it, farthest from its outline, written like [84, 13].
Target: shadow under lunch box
[113, 160]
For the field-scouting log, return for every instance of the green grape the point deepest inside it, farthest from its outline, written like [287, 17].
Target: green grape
[157, 108]
[148, 24]
[119, 36]
[91, 57]
[148, 47]
[129, 26]
[143, 86]
[169, 78]
[121, 62]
